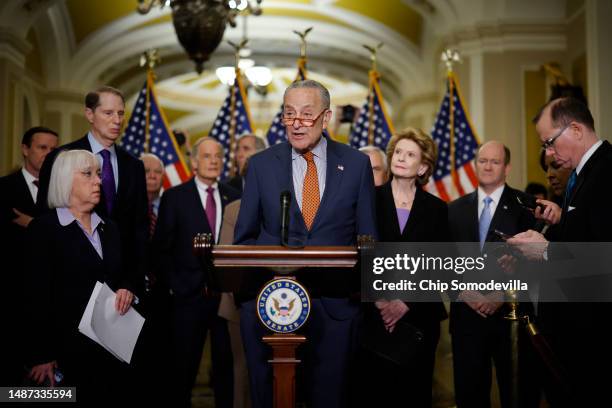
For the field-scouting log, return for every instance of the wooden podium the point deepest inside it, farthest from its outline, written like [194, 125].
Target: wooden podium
[283, 262]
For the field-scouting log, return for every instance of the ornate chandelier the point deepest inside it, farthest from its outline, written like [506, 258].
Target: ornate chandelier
[200, 24]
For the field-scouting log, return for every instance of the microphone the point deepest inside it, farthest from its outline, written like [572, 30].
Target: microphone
[285, 202]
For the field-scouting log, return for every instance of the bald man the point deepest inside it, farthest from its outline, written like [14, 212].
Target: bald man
[480, 334]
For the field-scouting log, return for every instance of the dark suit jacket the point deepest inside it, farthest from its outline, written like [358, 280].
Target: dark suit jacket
[590, 220]
[60, 279]
[235, 182]
[129, 212]
[15, 194]
[181, 217]
[428, 222]
[463, 215]
[346, 209]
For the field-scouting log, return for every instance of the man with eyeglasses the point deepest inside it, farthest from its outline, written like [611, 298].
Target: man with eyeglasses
[332, 201]
[579, 333]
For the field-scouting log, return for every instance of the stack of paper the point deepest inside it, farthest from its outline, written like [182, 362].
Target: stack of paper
[102, 323]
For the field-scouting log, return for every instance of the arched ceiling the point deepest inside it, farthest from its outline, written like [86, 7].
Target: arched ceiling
[87, 43]
[107, 38]
[74, 45]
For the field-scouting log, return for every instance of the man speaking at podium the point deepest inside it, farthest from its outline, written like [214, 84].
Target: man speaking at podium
[332, 201]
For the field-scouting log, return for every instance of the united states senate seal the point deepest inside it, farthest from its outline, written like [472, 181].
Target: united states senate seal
[283, 305]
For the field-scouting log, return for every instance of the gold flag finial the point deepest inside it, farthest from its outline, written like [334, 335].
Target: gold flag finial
[303, 40]
[450, 57]
[150, 58]
[373, 52]
[237, 48]
[554, 70]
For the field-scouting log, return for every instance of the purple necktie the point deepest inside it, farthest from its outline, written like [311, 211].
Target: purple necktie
[211, 210]
[108, 180]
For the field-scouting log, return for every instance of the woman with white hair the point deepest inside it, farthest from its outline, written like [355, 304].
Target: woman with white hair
[74, 248]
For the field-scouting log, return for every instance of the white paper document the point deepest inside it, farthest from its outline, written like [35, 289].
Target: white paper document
[102, 323]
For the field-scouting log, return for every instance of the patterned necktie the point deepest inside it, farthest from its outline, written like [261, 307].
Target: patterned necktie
[108, 181]
[569, 189]
[485, 221]
[310, 192]
[152, 221]
[211, 211]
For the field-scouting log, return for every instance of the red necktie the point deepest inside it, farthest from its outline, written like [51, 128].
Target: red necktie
[211, 210]
[152, 221]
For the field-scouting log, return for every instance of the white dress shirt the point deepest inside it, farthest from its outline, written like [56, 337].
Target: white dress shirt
[217, 197]
[29, 179]
[495, 197]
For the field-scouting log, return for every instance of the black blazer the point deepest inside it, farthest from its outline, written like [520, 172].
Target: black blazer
[590, 218]
[59, 282]
[235, 182]
[463, 215]
[428, 222]
[586, 217]
[14, 194]
[181, 217]
[130, 211]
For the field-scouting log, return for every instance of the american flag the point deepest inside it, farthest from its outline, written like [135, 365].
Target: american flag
[161, 139]
[373, 126]
[233, 120]
[454, 134]
[277, 133]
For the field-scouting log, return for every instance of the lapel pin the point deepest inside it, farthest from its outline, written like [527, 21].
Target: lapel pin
[340, 167]
[505, 207]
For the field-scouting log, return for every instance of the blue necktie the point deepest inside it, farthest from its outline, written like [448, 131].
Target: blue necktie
[108, 180]
[485, 221]
[569, 189]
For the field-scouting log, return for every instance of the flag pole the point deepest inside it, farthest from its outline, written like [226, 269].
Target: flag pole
[301, 63]
[450, 57]
[149, 60]
[373, 76]
[236, 85]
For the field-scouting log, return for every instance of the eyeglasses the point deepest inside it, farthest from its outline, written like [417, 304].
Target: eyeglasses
[550, 142]
[306, 122]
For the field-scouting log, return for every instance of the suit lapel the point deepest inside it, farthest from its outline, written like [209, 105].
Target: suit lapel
[24, 191]
[199, 212]
[473, 217]
[414, 218]
[224, 199]
[503, 212]
[123, 176]
[333, 178]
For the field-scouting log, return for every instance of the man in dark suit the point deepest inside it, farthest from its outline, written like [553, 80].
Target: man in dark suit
[478, 328]
[247, 146]
[188, 209]
[579, 333]
[332, 201]
[17, 207]
[124, 194]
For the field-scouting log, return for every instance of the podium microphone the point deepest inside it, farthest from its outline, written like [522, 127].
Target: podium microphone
[285, 202]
